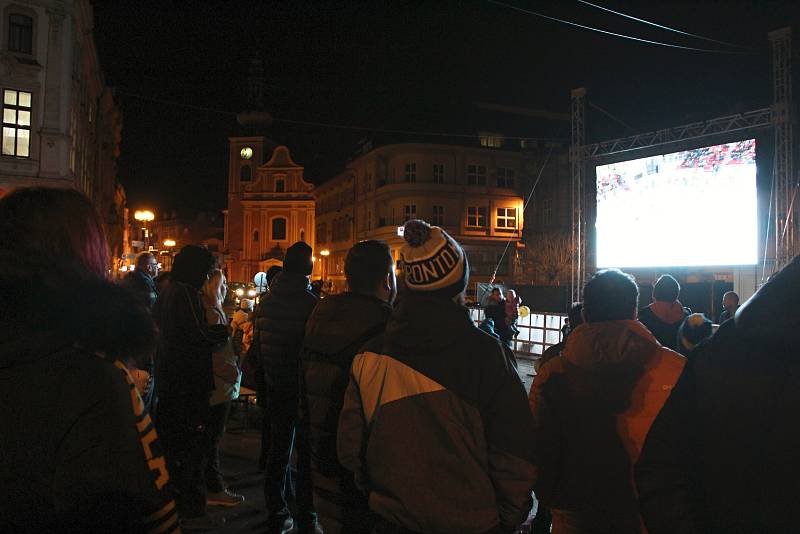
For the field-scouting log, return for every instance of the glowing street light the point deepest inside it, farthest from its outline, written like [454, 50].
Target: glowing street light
[169, 243]
[144, 217]
[324, 253]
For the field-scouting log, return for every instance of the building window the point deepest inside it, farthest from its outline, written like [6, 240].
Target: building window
[303, 236]
[476, 174]
[255, 236]
[547, 211]
[245, 174]
[279, 229]
[506, 177]
[437, 219]
[16, 123]
[20, 34]
[322, 233]
[438, 174]
[411, 172]
[280, 185]
[492, 140]
[476, 217]
[409, 212]
[506, 219]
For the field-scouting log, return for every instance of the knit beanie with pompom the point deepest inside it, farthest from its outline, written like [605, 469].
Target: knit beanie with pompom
[433, 262]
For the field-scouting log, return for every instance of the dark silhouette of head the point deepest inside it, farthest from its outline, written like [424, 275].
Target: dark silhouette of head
[368, 267]
[192, 266]
[610, 295]
[666, 289]
[298, 259]
[55, 225]
[575, 315]
[272, 272]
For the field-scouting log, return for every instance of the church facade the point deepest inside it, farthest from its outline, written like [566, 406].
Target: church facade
[270, 207]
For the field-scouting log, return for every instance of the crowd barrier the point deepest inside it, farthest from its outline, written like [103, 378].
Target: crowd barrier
[537, 331]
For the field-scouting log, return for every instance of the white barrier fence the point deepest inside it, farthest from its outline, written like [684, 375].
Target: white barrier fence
[537, 331]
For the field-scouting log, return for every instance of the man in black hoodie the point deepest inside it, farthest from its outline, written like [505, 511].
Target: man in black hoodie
[280, 323]
[338, 328]
[722, 456]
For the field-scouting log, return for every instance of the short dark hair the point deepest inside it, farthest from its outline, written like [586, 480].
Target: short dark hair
[610, 295]
[298, 259]
[495, 289]
[366, 264]
[666, 288]
[192, 266]
[575, 315]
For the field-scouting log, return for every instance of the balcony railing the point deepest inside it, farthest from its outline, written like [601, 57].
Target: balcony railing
[538, 331]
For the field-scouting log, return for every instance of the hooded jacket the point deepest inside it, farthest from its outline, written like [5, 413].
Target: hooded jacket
[280, 324]
[723, 454]
[664, 320]
[78, 451]
[593, 407]
[435, 426]
[337, 329]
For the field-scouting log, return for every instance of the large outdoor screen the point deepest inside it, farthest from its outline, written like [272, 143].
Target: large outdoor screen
[691, 208]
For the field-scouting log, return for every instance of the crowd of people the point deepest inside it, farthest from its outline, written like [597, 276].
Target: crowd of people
[386, 410]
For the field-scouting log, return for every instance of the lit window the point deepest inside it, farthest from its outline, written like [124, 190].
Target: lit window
[409, 212]
[476, 217]
[20, 34]
[279, 229]
[16, 123]
[492, 140]
[476, 174]
[245, 174]
[438, 174]
[506, 219]
[280, 186]
[411, 172]
[505, 177]
[437, 218]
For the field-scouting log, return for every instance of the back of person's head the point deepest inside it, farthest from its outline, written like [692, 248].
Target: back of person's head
[246, 305]
[366, 266]
[694, 329]
[192, 266]
[298, 259]
[731, 296]
[272, 272]
[433, 262]
[59, 225]
[666, 289]
[575, 315]
[610, 295]
[143, 260]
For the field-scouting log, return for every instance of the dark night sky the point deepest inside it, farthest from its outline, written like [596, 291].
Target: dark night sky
[404, 65]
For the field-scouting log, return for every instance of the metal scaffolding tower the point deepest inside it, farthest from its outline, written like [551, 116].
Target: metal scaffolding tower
[579, 196]
[784, 182]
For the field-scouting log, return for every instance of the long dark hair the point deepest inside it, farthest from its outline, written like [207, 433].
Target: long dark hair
[59, 225]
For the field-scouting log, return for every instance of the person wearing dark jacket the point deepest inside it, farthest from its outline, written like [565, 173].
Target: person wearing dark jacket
[593, 406]
[730, 303]
[78, 450]
[496, 310]
[337, 329]
[185, 379]
[664, 316]
[435, 427]
[722, 456]
[141, 281]
[280, 324]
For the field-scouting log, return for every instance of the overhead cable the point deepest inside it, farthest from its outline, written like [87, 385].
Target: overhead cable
[661, 26]
[620, 35]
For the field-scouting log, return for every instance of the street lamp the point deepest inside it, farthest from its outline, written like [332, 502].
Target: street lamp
[144, 217]
[170, 244]
[324, 253]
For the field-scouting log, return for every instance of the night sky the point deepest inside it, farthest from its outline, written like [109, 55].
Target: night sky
[180, 72]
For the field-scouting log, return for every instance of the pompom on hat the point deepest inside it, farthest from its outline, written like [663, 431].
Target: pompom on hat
[433, 262]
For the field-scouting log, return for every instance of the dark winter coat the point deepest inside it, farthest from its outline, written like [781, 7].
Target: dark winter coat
[497, 312]
[435, 426]
[142, 286]
[184, 370]
[723, 454]
[664, 319]
[337, 329]
[280, 324]
[78, 451]
[593, 406]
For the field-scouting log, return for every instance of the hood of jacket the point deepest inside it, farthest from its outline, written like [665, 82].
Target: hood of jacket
[607, 358]
[340, 320]
[48, 307]
[428, 321]
[668, 312]
[286, 283]
[771, 317]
